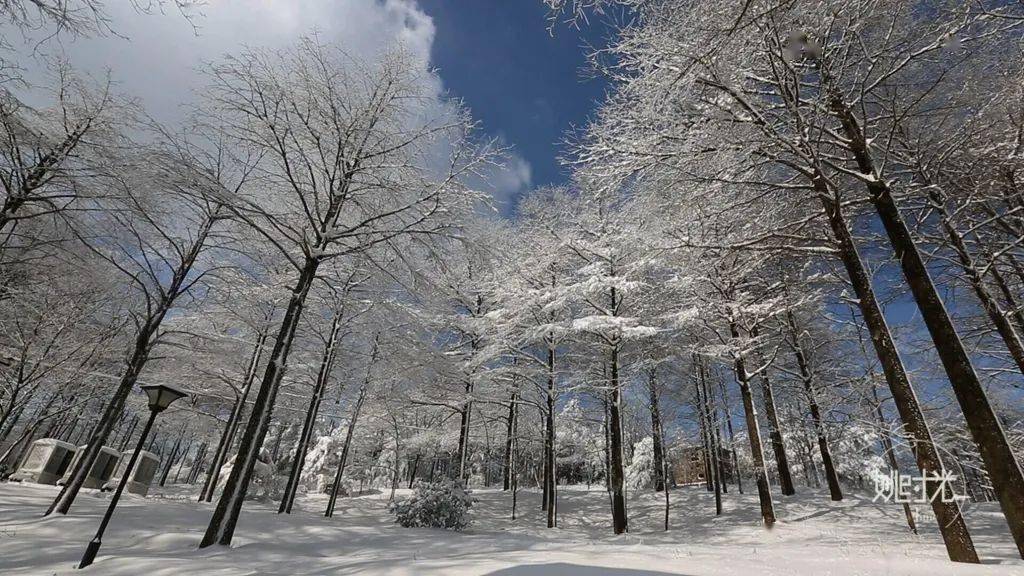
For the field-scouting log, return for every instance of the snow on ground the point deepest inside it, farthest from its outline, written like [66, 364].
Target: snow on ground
[157, 536]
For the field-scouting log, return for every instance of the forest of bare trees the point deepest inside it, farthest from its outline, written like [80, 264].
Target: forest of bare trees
[793, 239]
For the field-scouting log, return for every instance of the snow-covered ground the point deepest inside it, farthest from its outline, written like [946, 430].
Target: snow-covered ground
[157, 536]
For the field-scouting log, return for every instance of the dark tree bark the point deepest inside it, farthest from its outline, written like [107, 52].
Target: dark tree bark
[353, 420]
[510, 427]
[551, 489]
[1000, 319]
[834, 489]
[1014, 309]
[1000, 461]
[955, 535]
[412, 471]
[620, 522]
[660, 477]
[142, 346]
[702, 422]
[227, 437]
[714, 449]
[462, 456]
[890, 455]
[309, 424]
[737, 473]
[775, 432]
[173, 456]
[466, 414]
[197, 464]
[229, 506]
[760, 472]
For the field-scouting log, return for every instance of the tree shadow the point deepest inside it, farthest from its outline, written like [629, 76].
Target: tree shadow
[566, 569]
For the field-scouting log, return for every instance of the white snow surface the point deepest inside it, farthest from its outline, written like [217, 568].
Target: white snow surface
[158, 536]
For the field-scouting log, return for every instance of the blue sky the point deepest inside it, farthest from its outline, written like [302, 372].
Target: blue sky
[522, 83]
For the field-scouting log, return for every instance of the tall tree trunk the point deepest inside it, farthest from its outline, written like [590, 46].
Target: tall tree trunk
[139, 355]
[702, 424]
[760, 472]
[412, 471]
[656, 433]
[549, 442]
[890, 454]
[463, 450]
[339, 474]
[143, 341]
[775, 432]
[607, 446]
[231, 427]
[1000, 461]
[1000, 319]
[1013, 308]
[620, 523]
[173, 456]
[345, 450]
[737, 472]
[714, 448]
[718, 445]
[197, 464]
[309, 424]
[831, 476]
[510, 426]
[229, 505]
[951, 523]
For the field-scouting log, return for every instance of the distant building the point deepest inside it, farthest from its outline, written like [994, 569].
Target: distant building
[689, 466]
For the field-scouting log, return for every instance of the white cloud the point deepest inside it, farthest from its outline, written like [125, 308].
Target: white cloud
[508, 181]
[158, 57]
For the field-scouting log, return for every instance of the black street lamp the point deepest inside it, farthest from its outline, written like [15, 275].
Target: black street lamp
[160, 397]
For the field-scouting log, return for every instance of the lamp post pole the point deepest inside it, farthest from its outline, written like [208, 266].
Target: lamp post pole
[97, 540]
[160, 397]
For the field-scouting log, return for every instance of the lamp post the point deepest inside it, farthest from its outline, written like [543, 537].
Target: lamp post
[160, 397]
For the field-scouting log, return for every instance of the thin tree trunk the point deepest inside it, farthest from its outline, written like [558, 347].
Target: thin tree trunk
[339, 474]
[831, 476]
[463, 450]
[197, 464]
[1013, 307]
[620, 522]
[231, 427]
[702, 424]
[323, 375]
[549, 442]
[760, 472]
[138, 357]
[714, 448]
[660, 478]
[62, 503]
[345, 450]
[732, 436]
[1000, 319]
[510, 427]
[775, 432]
[173, 456]
[890, 454]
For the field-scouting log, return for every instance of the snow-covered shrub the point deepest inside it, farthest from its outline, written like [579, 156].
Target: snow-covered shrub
[444, 504]
[265, 483]
[640, 471]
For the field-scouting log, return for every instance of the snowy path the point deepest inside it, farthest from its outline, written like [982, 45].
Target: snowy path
[158, 537]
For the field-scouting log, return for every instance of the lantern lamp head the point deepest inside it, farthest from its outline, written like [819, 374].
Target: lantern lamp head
[161, 396]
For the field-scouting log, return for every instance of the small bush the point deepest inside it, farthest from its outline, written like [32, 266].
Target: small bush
[443, 504]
